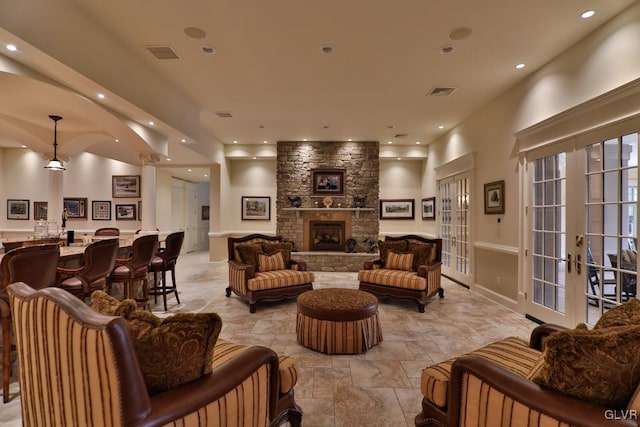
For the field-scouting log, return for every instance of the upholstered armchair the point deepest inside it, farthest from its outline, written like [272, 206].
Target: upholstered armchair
[79, 367]
[408, 268]
[561, 377]
[261, 269]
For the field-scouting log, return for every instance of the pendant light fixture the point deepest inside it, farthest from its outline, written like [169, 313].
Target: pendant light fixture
[55, 164]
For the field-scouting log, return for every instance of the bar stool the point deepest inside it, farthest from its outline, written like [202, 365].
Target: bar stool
[99, 260]
[35, 266]
[107, 231]
[134, 269]
[165, 259]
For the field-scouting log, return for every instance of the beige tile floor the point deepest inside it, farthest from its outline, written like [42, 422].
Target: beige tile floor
[378, 388]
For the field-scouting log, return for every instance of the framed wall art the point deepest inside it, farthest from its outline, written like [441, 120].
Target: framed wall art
[327, 181]
[126, 212]
[205, 213]
[397, 209]
[40, 210]
[17, 209]
[494, 197]
[76, 207]
[139, 210]
[429, 208]
[125, 185]
[101, 210]
[256, 208]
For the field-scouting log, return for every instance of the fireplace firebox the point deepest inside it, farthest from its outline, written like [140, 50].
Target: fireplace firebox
[326, 235]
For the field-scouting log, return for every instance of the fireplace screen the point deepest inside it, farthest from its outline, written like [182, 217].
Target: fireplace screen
[326, 236]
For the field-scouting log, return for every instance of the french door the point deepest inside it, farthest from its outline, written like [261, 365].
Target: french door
[455, 227]
[582, 215]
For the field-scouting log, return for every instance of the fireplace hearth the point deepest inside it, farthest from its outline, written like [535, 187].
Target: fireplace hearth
[326, 235]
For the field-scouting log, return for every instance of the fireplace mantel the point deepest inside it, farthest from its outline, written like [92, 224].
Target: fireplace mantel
[356, 211]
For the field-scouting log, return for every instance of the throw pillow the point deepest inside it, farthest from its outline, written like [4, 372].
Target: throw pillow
[600, 366]
[397, 246]
[423, 254]
[270, 248]
[621, 315]
[249, 253]
[399, 261]
[270, 262]
[170, 351]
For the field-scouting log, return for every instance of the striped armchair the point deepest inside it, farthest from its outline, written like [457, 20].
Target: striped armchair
[258, 273]
[416, 279]
[76, 368]
[490, 387]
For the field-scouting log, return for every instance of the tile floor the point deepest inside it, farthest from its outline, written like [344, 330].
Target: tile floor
[378, 388]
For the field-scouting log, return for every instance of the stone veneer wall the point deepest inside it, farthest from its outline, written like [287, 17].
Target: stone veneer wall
[361, 163]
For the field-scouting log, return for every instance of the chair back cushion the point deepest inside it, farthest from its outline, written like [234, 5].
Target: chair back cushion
[99, 259]
[75, 364]
[107, 231]
[173, 246]
[144, 248]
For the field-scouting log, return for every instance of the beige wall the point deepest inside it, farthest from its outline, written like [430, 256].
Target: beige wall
[401, 179]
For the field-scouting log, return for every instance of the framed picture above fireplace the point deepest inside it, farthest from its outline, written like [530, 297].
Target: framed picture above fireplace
[256, 208]
[397, 209]
[327, 181]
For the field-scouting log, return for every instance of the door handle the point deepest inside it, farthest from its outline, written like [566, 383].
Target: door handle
[568, 263]
[578, 264]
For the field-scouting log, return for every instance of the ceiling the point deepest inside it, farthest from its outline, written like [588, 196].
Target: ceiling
[267, 66]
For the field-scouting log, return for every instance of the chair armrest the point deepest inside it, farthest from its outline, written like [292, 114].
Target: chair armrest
[540, 333]
[424, 270]
[191, 397]
[68, 271]
[370, 265]
[249, 270]
[475, 379]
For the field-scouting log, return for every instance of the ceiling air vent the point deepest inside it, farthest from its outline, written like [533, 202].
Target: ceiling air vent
[163, 52]
[442, 91]
[224, 114]
[401, 135]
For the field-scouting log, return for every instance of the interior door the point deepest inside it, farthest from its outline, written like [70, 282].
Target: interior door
[455, 227]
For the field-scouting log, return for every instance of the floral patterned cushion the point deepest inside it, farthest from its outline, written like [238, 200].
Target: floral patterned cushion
[397, 246]
[600, 365]
[170, 351]
[249, 253]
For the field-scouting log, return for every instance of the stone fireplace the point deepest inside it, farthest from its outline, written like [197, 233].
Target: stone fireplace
[326, 236]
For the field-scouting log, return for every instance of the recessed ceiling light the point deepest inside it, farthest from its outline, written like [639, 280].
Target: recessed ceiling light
[189, 170]
[390, 126]
[254, 158]
[519, 66]
[117, 140]
[418, 142]
[12, 47]
[195, 32]
[441, 127]
[325, 127]
[23, 146]
[235, 141]
[460, 33]
[265, 142]
[183, 140]
[399, 158]
[389, 142]
[168, 159]
[350, 139]
[101, 96]
[587, 14]
[205, 175]
[304, 139]
[151, 123]
[327, 49]
[446, 49]
[208, 49]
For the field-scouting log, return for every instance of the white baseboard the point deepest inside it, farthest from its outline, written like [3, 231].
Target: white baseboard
[498, 298]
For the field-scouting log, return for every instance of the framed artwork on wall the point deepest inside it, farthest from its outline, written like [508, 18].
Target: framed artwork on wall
[429, 208]
[256, 208]
[494, 197]
[101, 210]
[126, 212]
[76, 207]
[327, 181]
[40, 210]
[139, 210]
[397, 209]
[205, 213]
[125, 185]
[17, 209]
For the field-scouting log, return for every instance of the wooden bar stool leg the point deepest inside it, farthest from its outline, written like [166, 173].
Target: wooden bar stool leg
[164, 288]
[6, 358]
[173, 280]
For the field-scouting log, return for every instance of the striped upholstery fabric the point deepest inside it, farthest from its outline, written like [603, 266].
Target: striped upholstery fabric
[225, 350]
[279, 279]
[342, 337]
[76, 351]
[483, 405]
[237, 279]
[512, 353]
[231, 409]
[397, 278]
[399, 261]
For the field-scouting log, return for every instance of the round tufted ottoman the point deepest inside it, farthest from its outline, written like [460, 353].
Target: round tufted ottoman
[337, 320]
